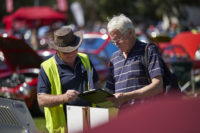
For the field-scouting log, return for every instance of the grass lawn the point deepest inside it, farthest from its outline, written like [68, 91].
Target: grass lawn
[40, 124]
[40, 121]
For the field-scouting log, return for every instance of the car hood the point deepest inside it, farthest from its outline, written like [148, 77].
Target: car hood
[18, 54]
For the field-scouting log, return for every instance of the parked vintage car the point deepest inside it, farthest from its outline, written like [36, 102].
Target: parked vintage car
[19, 68]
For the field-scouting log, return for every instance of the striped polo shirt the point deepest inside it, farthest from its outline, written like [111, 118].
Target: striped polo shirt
[128, 74]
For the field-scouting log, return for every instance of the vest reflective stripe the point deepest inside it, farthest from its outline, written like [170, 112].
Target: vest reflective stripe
[54, 122]
[86, 62]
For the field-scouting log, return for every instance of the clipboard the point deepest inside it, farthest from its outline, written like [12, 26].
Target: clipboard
[96, 96]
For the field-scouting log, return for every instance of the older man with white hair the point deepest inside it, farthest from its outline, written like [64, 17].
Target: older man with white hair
[127, 77]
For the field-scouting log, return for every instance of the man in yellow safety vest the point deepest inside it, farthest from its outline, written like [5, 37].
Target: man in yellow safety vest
[63, 77]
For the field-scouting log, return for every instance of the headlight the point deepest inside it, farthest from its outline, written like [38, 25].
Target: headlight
[197, 54]
[25, 89]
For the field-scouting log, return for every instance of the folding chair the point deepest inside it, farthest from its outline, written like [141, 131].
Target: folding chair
[184, 73]
[181, 66]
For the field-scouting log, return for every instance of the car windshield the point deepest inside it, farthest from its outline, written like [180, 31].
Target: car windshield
[93, 44]
[99, 63]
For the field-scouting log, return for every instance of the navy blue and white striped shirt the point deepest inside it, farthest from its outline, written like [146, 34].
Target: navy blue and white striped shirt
[128, 74]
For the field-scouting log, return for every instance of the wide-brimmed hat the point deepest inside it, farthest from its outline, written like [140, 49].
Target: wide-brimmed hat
[65, 40]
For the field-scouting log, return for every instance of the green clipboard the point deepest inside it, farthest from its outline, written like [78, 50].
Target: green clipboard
[96, 96]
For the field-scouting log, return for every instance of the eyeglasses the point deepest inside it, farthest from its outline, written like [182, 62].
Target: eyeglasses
[117, 40]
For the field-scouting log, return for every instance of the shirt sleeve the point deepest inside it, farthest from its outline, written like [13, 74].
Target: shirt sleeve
[155, 66]
[43, 85]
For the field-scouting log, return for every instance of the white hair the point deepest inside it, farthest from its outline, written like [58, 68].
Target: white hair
[121, 23]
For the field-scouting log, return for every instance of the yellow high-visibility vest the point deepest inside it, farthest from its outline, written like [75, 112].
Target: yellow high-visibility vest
[55, 117]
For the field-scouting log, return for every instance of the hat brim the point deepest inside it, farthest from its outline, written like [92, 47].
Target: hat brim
[72, 47]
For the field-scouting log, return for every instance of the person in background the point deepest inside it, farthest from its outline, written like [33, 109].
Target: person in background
[127, 77]
[63, 77]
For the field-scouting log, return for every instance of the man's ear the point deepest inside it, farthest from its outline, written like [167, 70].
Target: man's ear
[58, 53]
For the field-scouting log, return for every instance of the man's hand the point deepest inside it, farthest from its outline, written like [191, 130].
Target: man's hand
[48, 100]
[118, 99]
[70, 96]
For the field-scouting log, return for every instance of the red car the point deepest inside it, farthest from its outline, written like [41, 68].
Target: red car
[19, 68]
